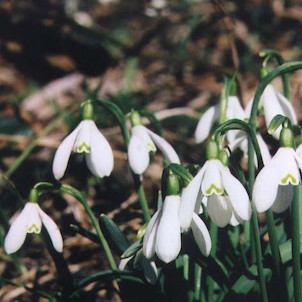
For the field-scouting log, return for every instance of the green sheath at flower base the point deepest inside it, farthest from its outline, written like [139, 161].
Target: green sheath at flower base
[172, 184]
[287, 138]
[224, 157]
[212, 150]
[87, 110]
[135, 118]
[33, 196]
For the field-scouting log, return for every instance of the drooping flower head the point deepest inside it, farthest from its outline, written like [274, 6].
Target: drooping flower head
[87, 139]
[142, 142]
[225, 197]
[273, 186]
[163, 233]
[30, 220]
[208, 119]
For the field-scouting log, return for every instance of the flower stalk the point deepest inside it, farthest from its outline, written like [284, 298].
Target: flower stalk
[295, 222]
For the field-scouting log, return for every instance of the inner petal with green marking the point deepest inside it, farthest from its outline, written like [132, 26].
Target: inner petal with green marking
[289, 179]
[151, 147]
[214, 189]
[83, 147]
[33, 229]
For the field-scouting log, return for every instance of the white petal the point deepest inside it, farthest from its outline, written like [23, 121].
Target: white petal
[150, 235]
[299, 151]
[284, 198]
[100, 159]
[63, 153]
[274, 103]
[150, 270]
[167, 150]
[17, 232]
[124, 262]
[201, 235]
[234, 221]
[34, 223]
[188, 199]
[237, 193]
[205, 123]
[83, 140]
[287, 166]
[53, 231]
[234, 109]
[266, 186]
[138, 154]
[168, 241]
[142, 132]
[266, 156]
[220, 209]
[211, 182]
[287, 108]
[235, 139]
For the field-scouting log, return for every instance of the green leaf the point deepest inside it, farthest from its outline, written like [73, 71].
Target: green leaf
[133, 248]
[183, 173]
[276, 122]
[249, 281]
[116, 239]
[286, 250]
[14, 126]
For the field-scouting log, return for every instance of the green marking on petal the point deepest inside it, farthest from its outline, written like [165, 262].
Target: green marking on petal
[289, 179]
[83, 148]
[151, 147]
[33, 229]
[214, 189]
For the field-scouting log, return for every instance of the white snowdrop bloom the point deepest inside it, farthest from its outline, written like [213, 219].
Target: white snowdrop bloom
[85, 138]
[227, 200]
[240, 140]
[144, 141]
[206, 122]
[148, 266]
[273, 186]
[163, 233]
[30, 221]
[275, 103]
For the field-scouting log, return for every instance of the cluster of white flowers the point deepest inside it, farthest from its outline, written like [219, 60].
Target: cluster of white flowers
[214, 186]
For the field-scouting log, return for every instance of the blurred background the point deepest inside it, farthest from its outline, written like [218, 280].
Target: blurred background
[164, 56]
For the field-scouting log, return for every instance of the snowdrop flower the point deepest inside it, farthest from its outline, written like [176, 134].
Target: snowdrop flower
[163, 233]
[273, 186]
[225, 197]
[85, 138]
[206, 122]
[148, 266]
[275, 103]
[30, 221]
[144, 141]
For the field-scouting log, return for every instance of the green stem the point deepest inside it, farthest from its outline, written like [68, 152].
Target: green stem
[255, 227]
[82, 199]
[214, 235]
[285, 77]
[295, 220]
[141, 196]
[273, 242]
